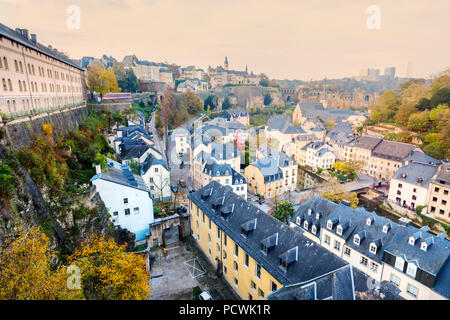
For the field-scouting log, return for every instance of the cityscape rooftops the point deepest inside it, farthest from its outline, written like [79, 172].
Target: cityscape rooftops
[416, 173]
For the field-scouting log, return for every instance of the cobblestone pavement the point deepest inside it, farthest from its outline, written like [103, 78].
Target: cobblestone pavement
[184, 267]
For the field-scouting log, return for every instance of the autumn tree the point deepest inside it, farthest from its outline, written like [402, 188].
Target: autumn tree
[100, 80]
[193, 102]
[27, 272]
[330, 125]
[110, 273]
[336, 193]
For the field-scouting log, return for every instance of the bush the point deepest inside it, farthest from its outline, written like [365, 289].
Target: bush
[196, 291]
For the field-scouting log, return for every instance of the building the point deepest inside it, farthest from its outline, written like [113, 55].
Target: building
[35, 78]
[222, 76]
[338, 137]
[225, 175]
[299, 147]
[126, 197]
[191, 72]
[438, 194]
[409, 185]
[149, 71]
[237, 115]
[271, 176]
[194, 85]
[156, 175]
[319, 155]
[280, 132]
[414, 260]
[255, 253]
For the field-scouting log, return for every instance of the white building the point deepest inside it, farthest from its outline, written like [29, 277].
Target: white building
[225, 175]
[409, 185]
[182, 140]
[156, 175]
[319, 155]
[126, 197]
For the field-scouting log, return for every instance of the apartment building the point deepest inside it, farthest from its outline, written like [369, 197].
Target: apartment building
[319, 155]
[255, 253]
[35, 78]
[409, 185]
[414, 260]
[238, 115]
[438, 194]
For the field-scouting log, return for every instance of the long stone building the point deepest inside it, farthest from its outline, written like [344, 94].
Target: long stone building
[36, 78]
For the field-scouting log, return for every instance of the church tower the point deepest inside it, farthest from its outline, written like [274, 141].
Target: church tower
[297, 117]
[324, 100]
[225, 65]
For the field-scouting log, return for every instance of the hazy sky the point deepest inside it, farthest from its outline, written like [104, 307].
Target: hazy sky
[292, 39]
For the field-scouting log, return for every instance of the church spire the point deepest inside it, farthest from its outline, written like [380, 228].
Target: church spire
[225, 65]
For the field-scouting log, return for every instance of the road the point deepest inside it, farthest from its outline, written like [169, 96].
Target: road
[362, 181]
[159, 143]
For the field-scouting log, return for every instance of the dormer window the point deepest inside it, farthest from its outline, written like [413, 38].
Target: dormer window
[305, 224]
[369, 221]
[411, 270]
[373, 248]
[317, 215]
[264, 249]
[386, 228]
[314, 229]
[399, 263]
[329, 225]
[309, 211]
[356, 240]
[299, 221]
[423, 246]
[339, 230]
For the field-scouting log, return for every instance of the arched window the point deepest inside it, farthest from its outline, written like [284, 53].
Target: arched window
[20, 86]
[5, 62]
[20, 66]
[10, 85]
[16, 65]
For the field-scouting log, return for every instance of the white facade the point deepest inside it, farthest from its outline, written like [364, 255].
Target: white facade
[157, 178]
[409, 194]
[320, 158]
[130, 208]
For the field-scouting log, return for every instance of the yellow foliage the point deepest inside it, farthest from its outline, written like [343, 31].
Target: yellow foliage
[26, 273]
[47, 129]
[108, 272]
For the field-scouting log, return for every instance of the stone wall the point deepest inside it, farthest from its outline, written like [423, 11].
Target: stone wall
[109, 106]
[20, 132]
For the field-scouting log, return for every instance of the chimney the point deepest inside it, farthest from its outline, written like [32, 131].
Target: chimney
[98, 169]
[25, 33]
[33, 38]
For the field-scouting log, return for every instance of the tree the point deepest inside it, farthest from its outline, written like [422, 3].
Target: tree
[330, 125]
[167, 104]
[263, 80]
[419, 121]
[335, 192]
[100, 80]
[385, 109]
[211, 101]
[193, 102]
[27, 272]
[267, 99]
[160, 182]
[283, 211]
[442, 96]
[226, 104]
[424, 104]
[110, 273]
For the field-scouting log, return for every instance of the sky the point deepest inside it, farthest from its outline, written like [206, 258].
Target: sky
[285, 39]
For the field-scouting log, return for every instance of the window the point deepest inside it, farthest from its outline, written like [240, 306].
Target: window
[314, 229]
[373, 248]
[436, 189]
[399, 263]
[203, 217]
[258, 271]
[235, 282]
[329, 225]
[395, 280]
[125, 200]
[115, 213]
[235, 266]
[246, 260]
[209, 252]
[236, 250]
[136, 210]
[337, 245]
[218, 233]
[363, 261]
[374, 267]
[250, 297]
[260, 293]
[252, 285]
[327, 240]
[209, 238]
[224, 269]
[225, 240]
[224, 255]
[274, 286]
[209, 224]
[412, 290]
[127, 212]
[411, 270]
[399, 185]
[347, 252]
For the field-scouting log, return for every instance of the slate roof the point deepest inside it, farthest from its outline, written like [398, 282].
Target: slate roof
[313, 260]
[416, 173]
[277, 122]
[341, 133]
[122, 176]
[313, 110]
[368, 142]
[443, 175]
[418, 156]
[225, 151]
[269, 169]
[150, 161]
[394, 241]
[393, 150]
[215, 169]
[18, 37]
[279, 157]
[134, 152]
[234, 113]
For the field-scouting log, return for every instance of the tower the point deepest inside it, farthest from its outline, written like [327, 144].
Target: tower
[246, 69]
[324, 100]
[297, 117]
[225, 65]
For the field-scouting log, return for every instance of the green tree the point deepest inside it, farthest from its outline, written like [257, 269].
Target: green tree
[283, 211]
[267, 99]
[226, 104]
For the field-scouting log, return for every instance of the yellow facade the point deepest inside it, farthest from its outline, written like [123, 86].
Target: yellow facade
[219, 247]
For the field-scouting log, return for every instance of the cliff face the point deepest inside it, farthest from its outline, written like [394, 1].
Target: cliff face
[19, 133]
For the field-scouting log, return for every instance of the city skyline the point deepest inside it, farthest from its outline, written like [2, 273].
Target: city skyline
[285, 40]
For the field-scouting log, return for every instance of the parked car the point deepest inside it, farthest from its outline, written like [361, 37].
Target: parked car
[182, 183]
[382, 197]
[261, 200]
[174, 188]
[205, 296]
